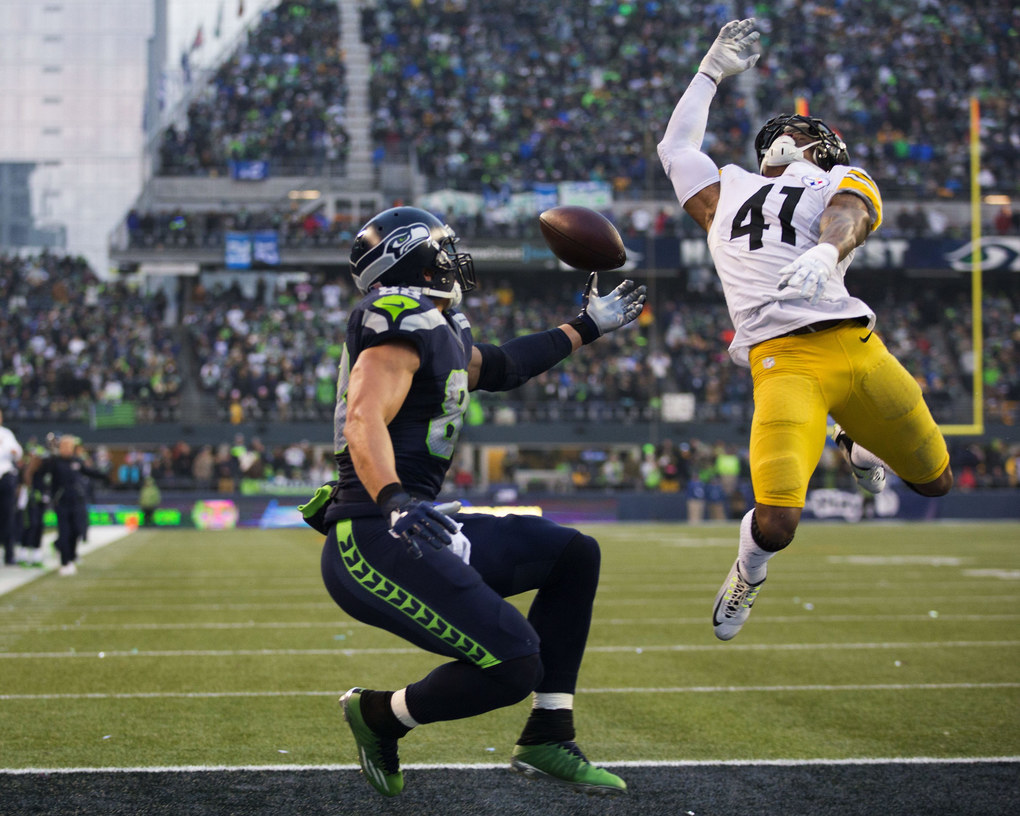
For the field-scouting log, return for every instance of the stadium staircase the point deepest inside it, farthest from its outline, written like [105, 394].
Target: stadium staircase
[358, 119]
[196, 405]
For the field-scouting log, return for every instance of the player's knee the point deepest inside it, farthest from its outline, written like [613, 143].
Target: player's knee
[578, 564]
[942, 485]
[773, 528]
[583, 552]
[513, 680]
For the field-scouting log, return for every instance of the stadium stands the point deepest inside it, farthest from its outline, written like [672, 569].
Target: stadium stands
[497, 96]
[71, 341]
[493, 98]
[278, 99]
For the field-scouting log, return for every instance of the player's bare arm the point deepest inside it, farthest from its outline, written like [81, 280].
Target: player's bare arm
[702, 206]
[380, 381]
[845, 223]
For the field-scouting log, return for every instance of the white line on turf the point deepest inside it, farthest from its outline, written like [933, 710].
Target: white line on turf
[683, 647]
[192, 695]
[13, 577]
[485, 766]
[700, 620]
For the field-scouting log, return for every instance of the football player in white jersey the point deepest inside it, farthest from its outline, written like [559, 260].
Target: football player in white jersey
[782, 237]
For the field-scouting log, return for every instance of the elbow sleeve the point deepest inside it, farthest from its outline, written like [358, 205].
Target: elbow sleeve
[689, 170]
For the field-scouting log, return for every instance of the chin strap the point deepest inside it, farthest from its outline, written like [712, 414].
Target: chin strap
[784, 151]
[455, 295]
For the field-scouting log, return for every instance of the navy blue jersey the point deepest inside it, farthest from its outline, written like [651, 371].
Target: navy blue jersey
[425, 430]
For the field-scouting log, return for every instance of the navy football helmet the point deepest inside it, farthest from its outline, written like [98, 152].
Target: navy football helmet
[407, 246]
[830, 150]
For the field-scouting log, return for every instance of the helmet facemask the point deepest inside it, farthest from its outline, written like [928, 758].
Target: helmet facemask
[775, 145]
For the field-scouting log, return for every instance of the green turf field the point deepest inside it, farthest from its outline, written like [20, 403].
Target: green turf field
[185, 648]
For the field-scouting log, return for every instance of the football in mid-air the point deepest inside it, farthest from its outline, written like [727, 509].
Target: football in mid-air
[583, 238]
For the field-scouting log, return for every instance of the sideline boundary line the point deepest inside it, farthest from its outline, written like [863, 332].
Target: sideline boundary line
[482, 766]
[13, 577]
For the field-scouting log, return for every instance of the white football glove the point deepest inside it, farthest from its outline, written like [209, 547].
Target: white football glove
[460, 544]
[600, 315]
[733, 51]
[810, 271]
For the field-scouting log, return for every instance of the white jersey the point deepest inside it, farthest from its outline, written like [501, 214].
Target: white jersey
[761, 224]
[10, 452]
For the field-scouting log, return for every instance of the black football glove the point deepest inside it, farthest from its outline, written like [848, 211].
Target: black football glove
[415, 522]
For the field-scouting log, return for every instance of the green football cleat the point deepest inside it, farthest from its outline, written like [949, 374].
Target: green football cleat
[563, 763]
[377, 755]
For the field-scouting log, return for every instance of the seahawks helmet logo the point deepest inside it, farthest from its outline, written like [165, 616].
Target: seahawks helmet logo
[394, 247]
[404, 240]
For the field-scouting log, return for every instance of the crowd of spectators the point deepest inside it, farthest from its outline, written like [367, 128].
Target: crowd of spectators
[274, 355]
[279, 98]
[498, 95]
[222, 467]
[711, 476]
[299, 228]
[207, 229]
[70, 341]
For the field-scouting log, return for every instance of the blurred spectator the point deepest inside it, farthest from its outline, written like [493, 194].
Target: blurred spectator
[149, 499]
[11, 454]
[696, 494]
[69, 475]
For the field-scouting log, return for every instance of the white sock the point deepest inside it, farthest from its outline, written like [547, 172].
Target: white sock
[552, 700]
[398, 704]
[863, 458]
[752, 557]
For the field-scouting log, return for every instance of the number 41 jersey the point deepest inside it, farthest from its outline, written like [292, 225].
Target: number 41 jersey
[425, 429]
[762, 224]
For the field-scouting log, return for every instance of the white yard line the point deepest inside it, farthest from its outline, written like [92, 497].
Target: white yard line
[204, 695]
[348, 624]
[636, 649]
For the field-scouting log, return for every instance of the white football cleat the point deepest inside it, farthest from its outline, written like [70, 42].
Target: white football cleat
[870, 479]
[733, 603]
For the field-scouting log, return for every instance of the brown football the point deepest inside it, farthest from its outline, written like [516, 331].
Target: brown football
[583, 238]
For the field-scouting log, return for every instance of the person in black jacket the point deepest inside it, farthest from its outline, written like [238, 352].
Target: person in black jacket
[35, 481]
[67, 474]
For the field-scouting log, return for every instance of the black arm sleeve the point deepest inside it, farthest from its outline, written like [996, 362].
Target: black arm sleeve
[514, 363]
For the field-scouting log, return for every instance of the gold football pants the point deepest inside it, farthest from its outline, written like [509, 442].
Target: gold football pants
[848, 374]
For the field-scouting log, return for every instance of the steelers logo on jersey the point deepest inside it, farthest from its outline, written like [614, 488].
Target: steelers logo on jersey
[815, 182]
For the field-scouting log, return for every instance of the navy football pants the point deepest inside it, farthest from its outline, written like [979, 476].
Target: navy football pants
[445, 606]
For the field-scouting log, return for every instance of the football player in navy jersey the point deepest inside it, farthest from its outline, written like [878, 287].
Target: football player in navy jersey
[396, 560]
[782, 237]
